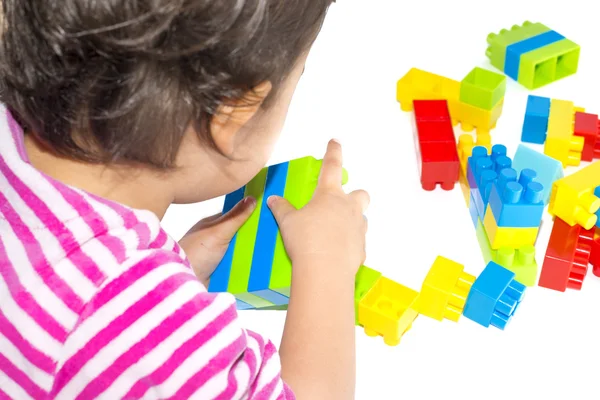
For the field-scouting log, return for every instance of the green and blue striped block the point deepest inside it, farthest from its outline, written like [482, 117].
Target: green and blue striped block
[533, 54]
[256, 268]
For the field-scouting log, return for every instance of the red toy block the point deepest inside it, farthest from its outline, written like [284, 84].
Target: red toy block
[437, 152]
[567, 258]
[587, 126]
[595, 256]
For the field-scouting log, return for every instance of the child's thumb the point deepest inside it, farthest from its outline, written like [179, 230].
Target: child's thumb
[280, 207]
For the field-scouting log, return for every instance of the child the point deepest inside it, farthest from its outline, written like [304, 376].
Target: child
[116, 109]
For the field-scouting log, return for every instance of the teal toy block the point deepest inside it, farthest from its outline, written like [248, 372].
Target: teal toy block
[533, 54]
[256, 268]
[547, 168]
[517, 203]
[482, 88]
[494, 297]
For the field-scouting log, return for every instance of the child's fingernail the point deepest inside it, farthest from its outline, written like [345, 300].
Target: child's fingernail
[271, 200]
[250, 201]
[338, 141]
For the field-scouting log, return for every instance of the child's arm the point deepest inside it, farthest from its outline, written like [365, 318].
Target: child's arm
[326, 242]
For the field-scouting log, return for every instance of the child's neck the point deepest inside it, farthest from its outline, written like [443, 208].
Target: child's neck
[139, 188]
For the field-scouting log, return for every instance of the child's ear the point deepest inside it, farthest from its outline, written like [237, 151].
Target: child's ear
[231, 117]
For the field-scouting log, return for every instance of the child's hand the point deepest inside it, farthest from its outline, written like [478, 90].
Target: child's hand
[331, 227]
[206, 243]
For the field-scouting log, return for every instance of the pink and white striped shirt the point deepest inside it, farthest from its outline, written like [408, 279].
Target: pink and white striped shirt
[98, 302]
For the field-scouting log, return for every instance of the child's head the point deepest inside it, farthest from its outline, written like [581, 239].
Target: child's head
[199, 85]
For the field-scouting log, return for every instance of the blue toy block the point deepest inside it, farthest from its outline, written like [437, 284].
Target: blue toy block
[535, 125]
[547, 168]
[272, 296]
[483, 171]
[597, 194]
[473, 211]
[220, 278]
[264, 248]
[240, 305]
[516, 50]
[478, 152]
[494, 297]
[517, 204]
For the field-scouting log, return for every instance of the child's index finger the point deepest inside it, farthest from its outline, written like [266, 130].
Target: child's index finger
[332, 169]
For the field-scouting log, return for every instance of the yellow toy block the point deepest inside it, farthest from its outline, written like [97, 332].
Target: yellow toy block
[422, 85]
[561, 143]
[572, 198]
[445, 290]
[501, 236]
[471, 117]
[388, 310]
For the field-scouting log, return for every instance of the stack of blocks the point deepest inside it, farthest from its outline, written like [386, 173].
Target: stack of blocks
[506, 207]
[574, 242]
[476, 102]
[533, 54]
[554, 123]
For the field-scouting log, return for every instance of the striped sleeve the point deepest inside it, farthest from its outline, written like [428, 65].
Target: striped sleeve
[155, 332]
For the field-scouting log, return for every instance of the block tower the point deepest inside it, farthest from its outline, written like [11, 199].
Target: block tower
[533, 54]
[506, 207]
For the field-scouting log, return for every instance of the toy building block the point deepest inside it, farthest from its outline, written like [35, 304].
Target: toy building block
[502, 236]
[465, 147]
[547, 168]
[365, 280]
[445, 290]
[567, 257]
[422, 85]
[438, 156]
[494, 297]
[597, 194]
[521, 260]
[482, 172]
[561, 142]
[517, 204]
[388, 310]
[533, 54]
[595, 255]
[256, 269]
[535, 125]
[482, 88]
[573, 200]
[587, 126]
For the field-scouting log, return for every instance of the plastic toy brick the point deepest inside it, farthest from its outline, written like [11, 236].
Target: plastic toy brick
[533, 54]
[482, 88]
[432, 111]
[521, 261]
[256, 268]
[547, 168]
[597, 194]
[507, 236]
[517, 204]
[573, 200]
[482, 172]
[535, 125]
[567, 257]
[422, 85]
[445, 290]
[465, 147]
[561, 143]
[473, 210]
[365, 280]
[388, 310]
[595, 255]
[587, 126]
[494, 297]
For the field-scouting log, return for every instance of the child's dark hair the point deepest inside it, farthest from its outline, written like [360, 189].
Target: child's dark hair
[121, 80]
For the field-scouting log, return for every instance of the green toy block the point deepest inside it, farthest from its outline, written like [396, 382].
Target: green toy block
[498, 43]
[254, 301]
[365, 280]
[246, 237]
[548, 64]
[520, 261]
[483, 88]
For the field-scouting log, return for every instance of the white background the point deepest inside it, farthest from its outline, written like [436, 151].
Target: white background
[551, 349]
